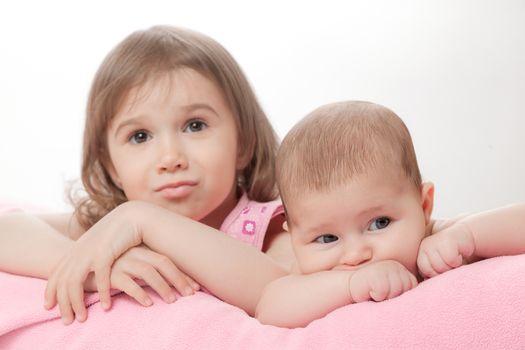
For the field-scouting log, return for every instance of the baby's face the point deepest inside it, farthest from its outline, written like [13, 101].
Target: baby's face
[372, 218]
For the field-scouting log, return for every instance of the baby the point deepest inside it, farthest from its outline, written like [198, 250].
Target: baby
[360, 216]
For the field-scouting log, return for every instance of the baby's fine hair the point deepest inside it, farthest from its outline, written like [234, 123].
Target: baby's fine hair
[146, 55]
[338, 141]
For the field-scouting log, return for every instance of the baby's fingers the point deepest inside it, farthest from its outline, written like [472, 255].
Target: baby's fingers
[424, 266]
[408, 281]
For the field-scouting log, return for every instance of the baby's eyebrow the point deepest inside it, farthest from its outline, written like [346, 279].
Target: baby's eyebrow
[371, 210]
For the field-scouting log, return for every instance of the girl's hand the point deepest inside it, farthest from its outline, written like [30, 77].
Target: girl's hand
[95, 252]
[447, 248]
[380, 281]
[153, 269]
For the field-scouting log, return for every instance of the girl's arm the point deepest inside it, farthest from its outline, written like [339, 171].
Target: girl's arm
[484, 235]
[31, 245]
[296, 300]
[230, 269]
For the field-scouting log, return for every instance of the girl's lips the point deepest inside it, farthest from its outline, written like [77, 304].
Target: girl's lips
[176, 190]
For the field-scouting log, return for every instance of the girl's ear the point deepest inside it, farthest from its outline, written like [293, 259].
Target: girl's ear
[113, 174]
[244, 155]
[285, 226]
[427, 200]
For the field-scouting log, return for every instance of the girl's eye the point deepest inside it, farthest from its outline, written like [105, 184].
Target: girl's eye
[139, 137]
[327, 238]
[195, 126]
[379, 223]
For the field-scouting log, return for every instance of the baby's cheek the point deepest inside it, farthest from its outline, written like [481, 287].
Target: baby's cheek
[310, 262]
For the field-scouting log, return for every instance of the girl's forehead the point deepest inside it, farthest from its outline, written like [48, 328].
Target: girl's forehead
[181, 87]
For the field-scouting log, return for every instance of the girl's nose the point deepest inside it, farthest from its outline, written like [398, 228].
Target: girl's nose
[356, 252]
[172, 158]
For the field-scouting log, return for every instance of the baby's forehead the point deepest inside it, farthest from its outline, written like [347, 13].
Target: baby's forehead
[360, 197]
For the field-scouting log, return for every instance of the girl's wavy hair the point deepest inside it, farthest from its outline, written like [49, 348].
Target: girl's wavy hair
[142, 56]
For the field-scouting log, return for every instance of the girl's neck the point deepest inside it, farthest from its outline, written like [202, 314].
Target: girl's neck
[217, 216]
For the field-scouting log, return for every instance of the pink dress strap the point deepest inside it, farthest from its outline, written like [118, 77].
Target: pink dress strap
[249, 220]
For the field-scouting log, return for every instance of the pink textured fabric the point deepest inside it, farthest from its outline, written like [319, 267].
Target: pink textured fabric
[249, 220]
[478, 306]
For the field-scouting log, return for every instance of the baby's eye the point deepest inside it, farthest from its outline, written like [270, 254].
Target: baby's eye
[327, 238]
[139, 137]
[195, 126]
[379, 223]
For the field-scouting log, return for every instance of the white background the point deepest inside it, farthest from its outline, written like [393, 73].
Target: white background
[453, 70]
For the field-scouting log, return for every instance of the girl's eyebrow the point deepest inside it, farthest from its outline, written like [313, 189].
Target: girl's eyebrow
[127, 122]
[194, 106]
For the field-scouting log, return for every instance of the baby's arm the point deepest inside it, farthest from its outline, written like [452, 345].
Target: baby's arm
[296, 300]
[498, 232]
[483, 235]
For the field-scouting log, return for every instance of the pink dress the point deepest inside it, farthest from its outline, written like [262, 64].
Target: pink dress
[249, 220]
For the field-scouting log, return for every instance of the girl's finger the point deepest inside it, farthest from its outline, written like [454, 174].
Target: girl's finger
[126, 284]
[148, 274]
[50, 299]
[102, 279]
[192, 283]
[178, 279]
[64, 306]
[76, 295]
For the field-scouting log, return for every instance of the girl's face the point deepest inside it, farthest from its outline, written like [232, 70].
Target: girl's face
[174, 143]
[373, 218]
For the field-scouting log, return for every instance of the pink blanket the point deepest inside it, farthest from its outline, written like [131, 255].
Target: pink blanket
[476, 306]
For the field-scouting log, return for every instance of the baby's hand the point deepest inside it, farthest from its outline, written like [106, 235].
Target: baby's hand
[381, 281]
[445, 249]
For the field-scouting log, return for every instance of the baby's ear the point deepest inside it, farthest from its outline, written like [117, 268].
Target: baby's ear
[285, 226]
[427, 200]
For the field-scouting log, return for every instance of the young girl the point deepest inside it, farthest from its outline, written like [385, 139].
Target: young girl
[176, 146]
[359, 216]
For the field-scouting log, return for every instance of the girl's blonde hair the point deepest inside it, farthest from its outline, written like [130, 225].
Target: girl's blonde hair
[339, 141]
[142, 56]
